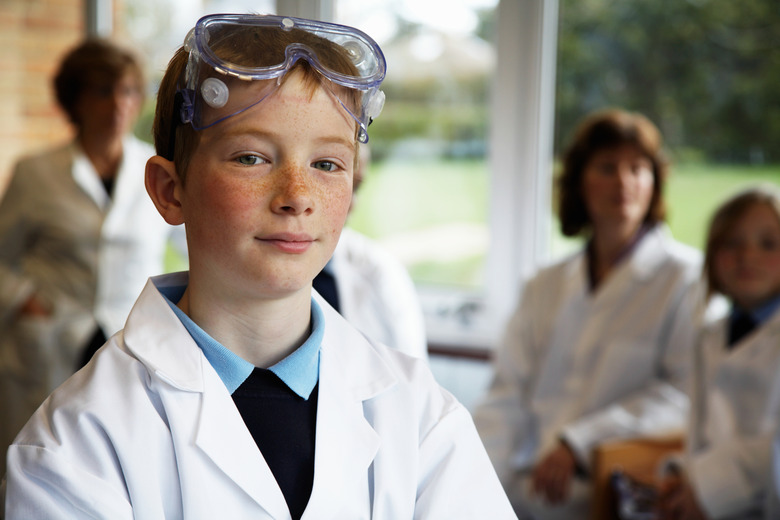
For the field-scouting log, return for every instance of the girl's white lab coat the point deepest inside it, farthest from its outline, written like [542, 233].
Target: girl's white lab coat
[376, 294]
[148, 430]
[735, 407]
[592, 367]
[86, 255]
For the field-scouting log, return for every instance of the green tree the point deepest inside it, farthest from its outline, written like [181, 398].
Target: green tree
[706, 71]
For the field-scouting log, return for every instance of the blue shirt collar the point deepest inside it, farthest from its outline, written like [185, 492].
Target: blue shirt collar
[760, 314]
[300, 371]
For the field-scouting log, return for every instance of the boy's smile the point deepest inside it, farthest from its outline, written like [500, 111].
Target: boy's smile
[268, 191]
[289, 242]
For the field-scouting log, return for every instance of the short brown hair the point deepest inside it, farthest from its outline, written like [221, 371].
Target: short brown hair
[602, 130]
[724, 220]
[93, 61]
[258, 45]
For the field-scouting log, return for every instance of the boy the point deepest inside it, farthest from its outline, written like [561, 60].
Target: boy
[232, 392]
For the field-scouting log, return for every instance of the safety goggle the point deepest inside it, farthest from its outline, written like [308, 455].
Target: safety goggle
[229, 53]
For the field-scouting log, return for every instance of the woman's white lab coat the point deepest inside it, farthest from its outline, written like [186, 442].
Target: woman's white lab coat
[85, 255]
[735, 407]
[377, 295]
[592, 367]
[148, 430]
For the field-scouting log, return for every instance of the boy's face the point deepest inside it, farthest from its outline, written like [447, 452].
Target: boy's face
[747, 264]
[268, 191]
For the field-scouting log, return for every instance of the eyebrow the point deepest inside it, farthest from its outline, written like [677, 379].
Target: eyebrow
[270, 135]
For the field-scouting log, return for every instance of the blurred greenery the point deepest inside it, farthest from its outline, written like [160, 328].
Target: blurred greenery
[707, 72]
[398, 199]
[695, 190]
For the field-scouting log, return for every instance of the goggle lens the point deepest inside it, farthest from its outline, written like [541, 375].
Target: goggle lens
[226, 50]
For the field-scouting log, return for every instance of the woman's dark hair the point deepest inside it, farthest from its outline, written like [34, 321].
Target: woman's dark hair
[602, 130]
[92, 63]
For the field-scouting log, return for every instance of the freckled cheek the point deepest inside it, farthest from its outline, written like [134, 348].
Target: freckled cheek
[336, 204]
[229, 204]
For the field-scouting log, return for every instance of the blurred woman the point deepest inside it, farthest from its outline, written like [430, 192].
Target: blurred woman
[78, 234]
[599, 346]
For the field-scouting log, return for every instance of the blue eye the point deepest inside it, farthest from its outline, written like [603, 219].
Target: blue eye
[249, 160]
[326, 166]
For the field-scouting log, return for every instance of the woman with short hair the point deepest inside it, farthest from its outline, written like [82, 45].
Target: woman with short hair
[599, 346]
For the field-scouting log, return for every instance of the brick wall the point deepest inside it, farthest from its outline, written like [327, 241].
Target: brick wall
[34, 35]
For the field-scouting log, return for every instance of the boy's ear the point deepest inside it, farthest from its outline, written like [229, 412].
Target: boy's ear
[164, 187]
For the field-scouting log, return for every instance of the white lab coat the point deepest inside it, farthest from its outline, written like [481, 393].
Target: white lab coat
[377, 295]
[148, 430]
[87, 256]
[735, 406]
[592, 367]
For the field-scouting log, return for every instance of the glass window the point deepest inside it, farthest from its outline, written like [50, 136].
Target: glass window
[426, 194]
[157, 28]
[707, 72]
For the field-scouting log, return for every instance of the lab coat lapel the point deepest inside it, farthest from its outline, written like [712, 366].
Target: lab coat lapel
[225, 439]
[350, 373]
[761, 344]
[638, 268]
[169, 352]
[88, 179]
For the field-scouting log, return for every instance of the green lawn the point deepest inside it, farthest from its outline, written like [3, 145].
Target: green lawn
[398, 199]
[696, 190]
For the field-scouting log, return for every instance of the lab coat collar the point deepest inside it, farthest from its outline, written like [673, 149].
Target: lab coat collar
[159, 339]
[642, 262]
[351, 371]
[640, 266]
[88, 179]
[650, 253]
[753, 344]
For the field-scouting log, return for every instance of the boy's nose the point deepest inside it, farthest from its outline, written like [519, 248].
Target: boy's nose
[293, 192]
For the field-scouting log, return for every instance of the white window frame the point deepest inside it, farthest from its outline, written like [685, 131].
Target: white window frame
[99, 18]
[521, 165]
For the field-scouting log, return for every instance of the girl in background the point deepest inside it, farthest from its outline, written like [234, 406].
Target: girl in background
[736, 384]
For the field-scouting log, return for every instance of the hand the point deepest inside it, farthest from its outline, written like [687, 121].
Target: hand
[34, 307]
[551, 478]
[677, 500]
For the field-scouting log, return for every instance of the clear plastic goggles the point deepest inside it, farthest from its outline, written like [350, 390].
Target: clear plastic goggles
[236, 61]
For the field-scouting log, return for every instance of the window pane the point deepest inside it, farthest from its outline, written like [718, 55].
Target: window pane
[158, 27]
[706, 72]
[426, 194]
